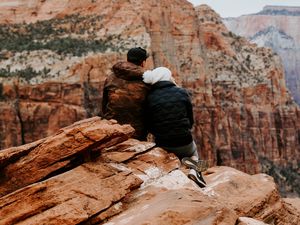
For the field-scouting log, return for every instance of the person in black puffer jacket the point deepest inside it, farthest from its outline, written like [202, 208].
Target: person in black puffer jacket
[169, 117]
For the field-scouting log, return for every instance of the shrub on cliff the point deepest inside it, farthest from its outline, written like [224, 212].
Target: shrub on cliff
[55, 35]
[28, 73]
[67, 45]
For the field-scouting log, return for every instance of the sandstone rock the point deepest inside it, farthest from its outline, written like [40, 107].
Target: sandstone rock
[70, 198]
[34, 162]
[253, 196]
[184, 206]
[92, 190]
[173, 199]
[294, 202]
[120, 177]
[9, 155]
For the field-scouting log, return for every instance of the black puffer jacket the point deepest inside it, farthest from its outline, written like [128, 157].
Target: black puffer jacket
[169, 114]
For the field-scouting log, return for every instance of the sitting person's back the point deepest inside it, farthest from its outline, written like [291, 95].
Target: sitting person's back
[169, 114]
[170, 119]
[124, 93]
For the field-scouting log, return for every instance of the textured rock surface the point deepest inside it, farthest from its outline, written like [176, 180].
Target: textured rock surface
[295, 202]
[33, 162]
[245, 117]
[125, 181]
[274, 27]
[253, 196]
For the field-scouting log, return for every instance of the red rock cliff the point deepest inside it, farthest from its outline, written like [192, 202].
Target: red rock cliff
[251, 117]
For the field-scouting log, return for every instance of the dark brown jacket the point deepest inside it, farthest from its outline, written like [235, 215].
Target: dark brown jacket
[124, 96]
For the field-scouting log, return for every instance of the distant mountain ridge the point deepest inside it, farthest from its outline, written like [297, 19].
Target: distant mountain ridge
[280, 10]
[276, 27]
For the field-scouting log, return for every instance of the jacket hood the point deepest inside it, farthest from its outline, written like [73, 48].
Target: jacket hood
[128, 71]
[158, 74]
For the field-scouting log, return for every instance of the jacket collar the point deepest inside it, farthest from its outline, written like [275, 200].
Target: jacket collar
[162, 84]
[128, 71]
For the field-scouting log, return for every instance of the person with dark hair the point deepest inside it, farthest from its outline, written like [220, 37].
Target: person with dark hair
[137, 56]
[124, 92]
[169, 116]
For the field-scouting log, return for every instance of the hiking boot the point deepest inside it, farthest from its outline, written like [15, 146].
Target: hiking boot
[197, 178]
[198, 165]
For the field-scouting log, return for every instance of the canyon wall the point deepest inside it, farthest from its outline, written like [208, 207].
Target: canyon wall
[53, 70]
[253, 123]
[275, 27]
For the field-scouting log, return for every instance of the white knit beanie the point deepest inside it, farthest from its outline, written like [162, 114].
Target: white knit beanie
[156, 75]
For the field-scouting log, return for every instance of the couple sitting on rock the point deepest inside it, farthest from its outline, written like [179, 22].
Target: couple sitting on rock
[150, 101]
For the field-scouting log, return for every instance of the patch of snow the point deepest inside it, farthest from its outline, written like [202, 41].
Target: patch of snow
[120, 167]
[250, 221]
[153, 172]
[150, 174]
[174, 180]
[155, 153]
[156, 177]
[141, 147]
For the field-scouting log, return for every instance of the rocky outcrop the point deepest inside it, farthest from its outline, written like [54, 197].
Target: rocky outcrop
[274, 27]
[35, 161]
[92, 172]
[245, 118]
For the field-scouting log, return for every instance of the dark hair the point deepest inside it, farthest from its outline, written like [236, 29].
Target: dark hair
[137, 55]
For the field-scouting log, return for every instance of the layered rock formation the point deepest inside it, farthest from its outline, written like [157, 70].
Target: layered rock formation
[92, 173]
[251, 118]
[244, 116]
[32, 112]
[275, 27]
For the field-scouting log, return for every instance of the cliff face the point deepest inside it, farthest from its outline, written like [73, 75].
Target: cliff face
[92, 172]
[244, 116]
[35, 111]
[251, 118]
[275, 27]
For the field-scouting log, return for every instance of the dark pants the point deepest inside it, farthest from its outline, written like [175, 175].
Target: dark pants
[188, 150]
